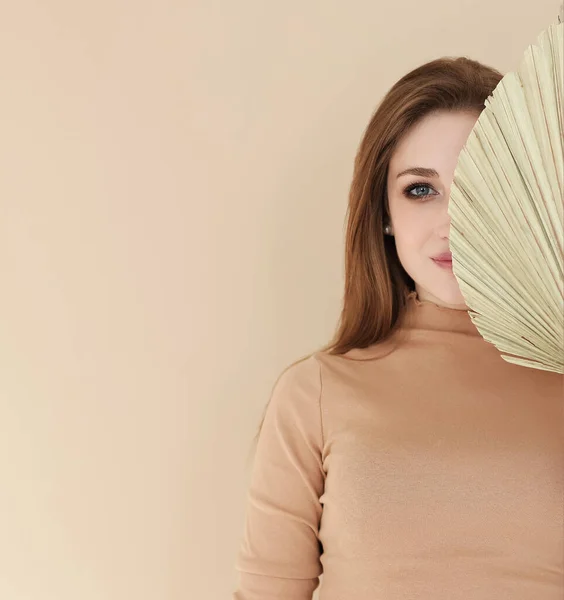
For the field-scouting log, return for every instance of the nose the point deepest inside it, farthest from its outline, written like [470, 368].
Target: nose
[443, 224]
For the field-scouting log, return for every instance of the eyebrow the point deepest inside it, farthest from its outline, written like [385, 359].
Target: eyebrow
[419, 171]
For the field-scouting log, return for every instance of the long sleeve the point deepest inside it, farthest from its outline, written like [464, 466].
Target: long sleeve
[280, 554]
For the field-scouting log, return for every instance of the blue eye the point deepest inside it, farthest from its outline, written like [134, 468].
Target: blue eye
[417, 186]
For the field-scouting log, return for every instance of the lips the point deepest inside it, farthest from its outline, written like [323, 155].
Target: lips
[443, 257]
[443, 262]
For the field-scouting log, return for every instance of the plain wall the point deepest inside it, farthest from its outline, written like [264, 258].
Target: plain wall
[173, 187]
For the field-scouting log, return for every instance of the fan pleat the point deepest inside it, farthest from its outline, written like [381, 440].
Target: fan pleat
[507, 212]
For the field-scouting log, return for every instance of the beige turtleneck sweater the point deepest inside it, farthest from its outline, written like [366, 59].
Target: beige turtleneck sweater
[434, 470]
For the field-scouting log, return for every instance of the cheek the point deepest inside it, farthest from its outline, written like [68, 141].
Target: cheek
[411, 232]
[411, 228]
[409, 252]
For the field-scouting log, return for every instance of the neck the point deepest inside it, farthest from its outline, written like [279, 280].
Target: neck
[426, 315]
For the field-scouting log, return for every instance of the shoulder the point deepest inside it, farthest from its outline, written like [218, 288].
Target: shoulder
[294, 407]
[301, 378]
[296, 392]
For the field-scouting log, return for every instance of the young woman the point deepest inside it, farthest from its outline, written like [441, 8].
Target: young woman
[407, 459]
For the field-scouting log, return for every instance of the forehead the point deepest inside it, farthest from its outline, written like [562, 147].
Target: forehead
[435, 141]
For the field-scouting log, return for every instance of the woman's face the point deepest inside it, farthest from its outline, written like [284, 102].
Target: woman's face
[419, 218]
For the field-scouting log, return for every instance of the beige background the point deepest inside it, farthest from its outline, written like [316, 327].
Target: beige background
[173, 182]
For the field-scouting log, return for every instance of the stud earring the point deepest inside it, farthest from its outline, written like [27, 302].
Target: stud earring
[388, 230]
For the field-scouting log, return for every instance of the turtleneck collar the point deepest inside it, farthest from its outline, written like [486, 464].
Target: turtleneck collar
[424, 314]
[422, 317]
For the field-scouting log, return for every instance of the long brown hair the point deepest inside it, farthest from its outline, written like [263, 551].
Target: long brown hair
[376, 284]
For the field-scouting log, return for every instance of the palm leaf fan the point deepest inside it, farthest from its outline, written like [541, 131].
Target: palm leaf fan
[506, 208]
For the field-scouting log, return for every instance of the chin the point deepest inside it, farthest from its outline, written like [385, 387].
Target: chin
[456, 299]
[438, 285]
[450, 295]
[445, 290]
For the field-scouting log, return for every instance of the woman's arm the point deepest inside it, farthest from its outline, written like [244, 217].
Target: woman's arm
[279, 557]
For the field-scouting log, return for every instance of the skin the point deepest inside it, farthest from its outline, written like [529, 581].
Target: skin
[420, 223]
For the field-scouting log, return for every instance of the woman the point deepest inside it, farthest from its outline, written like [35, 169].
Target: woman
[407, 459]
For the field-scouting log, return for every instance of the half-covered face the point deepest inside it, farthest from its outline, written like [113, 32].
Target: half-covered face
[420, 175]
